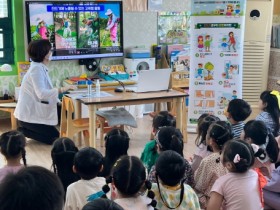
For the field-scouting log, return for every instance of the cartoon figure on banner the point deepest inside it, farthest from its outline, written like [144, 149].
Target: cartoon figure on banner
[230, 70]
[209, 67]
[234, 94]
[229, 10]
[67, 30]
[200, 43]
[199, 71]
[237, 10]
[231, 41]
[224, 99]
[42, 29]
[224, 44]
[207, 43]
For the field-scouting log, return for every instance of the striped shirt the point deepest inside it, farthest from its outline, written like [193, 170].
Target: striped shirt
[268, 121]
[237, 129]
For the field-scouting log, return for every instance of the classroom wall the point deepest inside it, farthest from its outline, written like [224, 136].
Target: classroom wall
[140, 28]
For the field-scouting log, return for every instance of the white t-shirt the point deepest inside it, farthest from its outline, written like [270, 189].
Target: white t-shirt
[78, 192]
[240, 190]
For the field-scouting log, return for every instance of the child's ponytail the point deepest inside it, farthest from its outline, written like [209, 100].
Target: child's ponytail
[267, 151]
[128, 175]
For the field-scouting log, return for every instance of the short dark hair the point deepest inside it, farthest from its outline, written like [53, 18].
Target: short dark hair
[170, 138]
[31, 188]
[170, 167]
[239, 109]
[102, 204]
[164, 118]
[12, 145]
[38, 49]
[116, 145]
[88, 162]
[245, 152]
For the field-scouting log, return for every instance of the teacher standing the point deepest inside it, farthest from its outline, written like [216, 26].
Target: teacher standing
[36, 109]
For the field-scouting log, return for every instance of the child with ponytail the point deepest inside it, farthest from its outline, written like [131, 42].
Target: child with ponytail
[211, 167]
[269, 105]
[170, 190]
[12, 145]
[170, 138]
[202, 149]
[240, 188]
[63, 153]
[128, 178]
[264, 145]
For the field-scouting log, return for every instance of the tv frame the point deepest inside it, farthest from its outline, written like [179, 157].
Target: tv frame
[114, 51]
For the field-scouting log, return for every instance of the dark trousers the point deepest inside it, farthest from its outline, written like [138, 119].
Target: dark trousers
[40, 132]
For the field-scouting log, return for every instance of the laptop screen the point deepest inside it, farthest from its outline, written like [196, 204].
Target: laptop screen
[153, 80]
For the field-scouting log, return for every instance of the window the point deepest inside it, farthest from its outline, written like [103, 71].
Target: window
[6, 32]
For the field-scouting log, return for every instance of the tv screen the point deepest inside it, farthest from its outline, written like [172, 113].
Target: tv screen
[77, 29]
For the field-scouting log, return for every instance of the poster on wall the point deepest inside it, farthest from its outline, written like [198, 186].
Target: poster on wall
[173, 27]
[217, 33]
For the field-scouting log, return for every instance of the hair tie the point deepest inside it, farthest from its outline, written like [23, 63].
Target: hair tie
[255, 148]
[276, 93]
[236, 158]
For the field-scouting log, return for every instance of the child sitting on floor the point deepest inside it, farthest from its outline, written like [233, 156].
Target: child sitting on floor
[238, 110]
[211, 167]
[88, 163]
[264, 144]
[116, 144]
[202, 150]
[128, 179]
[149, 154]
[269, 105]
[170, 138]
[170, 190]
[271, 192]
[62, 153]
[238, 189]
[12, 145]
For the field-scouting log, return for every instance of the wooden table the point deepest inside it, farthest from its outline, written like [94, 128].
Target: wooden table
[130, 98]
[10, 107]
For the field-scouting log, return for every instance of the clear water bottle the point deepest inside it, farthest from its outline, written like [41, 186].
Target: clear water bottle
[89, 87]
[97, 88]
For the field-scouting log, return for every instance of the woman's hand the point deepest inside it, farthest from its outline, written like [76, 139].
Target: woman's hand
[65, 89]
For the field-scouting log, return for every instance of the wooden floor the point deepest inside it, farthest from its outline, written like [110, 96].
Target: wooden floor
[39, 154]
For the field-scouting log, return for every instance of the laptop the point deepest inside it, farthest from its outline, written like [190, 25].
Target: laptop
[153, 80]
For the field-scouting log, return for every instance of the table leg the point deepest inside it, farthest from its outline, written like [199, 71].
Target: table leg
[179, 113]
[181, 117]
[13, 121]
[78, 115]
[92, 125]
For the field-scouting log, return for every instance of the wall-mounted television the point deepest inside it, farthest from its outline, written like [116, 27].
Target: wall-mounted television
[77, 29]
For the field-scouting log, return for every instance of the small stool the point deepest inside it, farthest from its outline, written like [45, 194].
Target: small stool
[10, 107]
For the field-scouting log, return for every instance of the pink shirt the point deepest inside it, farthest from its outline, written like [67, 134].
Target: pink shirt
[7, 170]
[240, 191]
